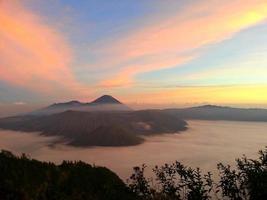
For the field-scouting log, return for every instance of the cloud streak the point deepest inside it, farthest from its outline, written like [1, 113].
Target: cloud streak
[33, 54]
[164, 43]
[36, 56]
[125, 76]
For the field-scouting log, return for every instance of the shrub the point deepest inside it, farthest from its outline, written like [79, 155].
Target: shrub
[248, 180]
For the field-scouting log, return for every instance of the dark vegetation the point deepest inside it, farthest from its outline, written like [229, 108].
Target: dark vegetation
[210, 112]
[22, 178]
[246, 181]
[107, 136]
[98, 128]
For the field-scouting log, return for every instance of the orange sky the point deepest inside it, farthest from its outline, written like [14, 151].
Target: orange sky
[133, 59]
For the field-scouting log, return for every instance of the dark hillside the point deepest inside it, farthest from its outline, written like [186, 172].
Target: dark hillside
[210, 112]
[98, 128]
[22, 178]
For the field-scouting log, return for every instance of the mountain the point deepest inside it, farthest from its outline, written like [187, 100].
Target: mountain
[106, 99]
[66, 104]
[212, 112]
[98, 128]
[103, 103]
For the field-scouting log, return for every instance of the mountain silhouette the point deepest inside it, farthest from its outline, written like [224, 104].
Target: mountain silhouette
[98, 128]
[213, 112]
[106, 99]
[66, 104]
[103, 103]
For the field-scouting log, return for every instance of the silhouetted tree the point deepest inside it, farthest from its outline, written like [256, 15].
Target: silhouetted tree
[139, 184]
[22, 178]
[247, 181]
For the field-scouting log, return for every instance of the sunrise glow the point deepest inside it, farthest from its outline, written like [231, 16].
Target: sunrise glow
[180, 52]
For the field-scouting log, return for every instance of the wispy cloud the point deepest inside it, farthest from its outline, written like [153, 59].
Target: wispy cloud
[125, 76]
[245, 70]
[19, 103]
[36, 56]
[33, 54]
[168, 42]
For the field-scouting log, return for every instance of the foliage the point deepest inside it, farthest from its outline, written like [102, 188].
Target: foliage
[248, 180]
[139, 184]
[22, 178]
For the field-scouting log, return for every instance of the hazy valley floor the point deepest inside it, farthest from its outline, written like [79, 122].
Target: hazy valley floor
[203, 145]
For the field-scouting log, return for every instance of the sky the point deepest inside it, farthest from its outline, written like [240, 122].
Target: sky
[147, 53]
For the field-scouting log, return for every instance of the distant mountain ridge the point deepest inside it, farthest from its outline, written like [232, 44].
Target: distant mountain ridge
[108, 122]
[103, 122]
[69, 103]
[213, 112]
[103, 103]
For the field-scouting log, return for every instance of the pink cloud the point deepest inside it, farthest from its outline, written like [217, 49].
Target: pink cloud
[162, 44]
[125, 77]
[33, 54]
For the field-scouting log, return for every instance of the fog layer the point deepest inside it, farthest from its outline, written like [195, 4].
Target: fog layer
[203, 145]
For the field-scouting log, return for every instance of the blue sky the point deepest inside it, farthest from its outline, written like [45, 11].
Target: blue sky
[66, 49]
[246, 50]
